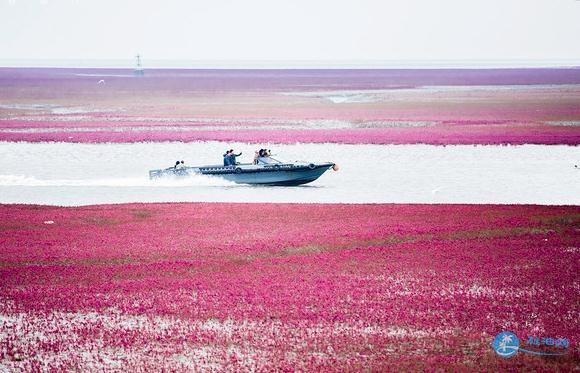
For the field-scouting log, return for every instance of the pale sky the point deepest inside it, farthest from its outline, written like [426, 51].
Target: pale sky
[291, 30]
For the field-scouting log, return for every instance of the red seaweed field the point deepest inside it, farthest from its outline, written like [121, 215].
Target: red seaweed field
[391, 106]
[285, 287]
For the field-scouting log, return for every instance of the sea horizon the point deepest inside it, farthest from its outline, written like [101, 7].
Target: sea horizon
[129, 63]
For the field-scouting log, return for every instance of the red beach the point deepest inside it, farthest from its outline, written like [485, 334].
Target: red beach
[390, 106]
[303, 287]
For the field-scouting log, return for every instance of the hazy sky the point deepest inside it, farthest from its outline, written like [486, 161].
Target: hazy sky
[291, 30]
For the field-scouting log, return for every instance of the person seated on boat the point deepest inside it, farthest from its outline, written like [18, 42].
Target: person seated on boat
[177, 163]
[257, 155]
[264, 157]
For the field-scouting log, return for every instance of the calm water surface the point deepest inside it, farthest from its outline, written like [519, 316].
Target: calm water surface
[81, 174]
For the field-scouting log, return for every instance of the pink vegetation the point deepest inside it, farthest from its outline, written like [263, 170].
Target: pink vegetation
[285, 287]
[436, 135]
[490, 106]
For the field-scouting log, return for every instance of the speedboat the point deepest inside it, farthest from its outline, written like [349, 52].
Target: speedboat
[268, 171]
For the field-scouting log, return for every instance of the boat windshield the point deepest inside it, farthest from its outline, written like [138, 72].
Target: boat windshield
[267, 160]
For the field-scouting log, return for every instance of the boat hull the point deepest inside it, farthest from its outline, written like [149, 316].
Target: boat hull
[278, 177]
[274, 175]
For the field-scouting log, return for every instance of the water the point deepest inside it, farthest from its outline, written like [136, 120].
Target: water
[82, 174]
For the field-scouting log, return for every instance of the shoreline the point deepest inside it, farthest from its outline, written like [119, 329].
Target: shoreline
[289, 204]
[434, 135]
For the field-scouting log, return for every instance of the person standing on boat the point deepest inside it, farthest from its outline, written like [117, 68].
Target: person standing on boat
[233, 157]
[227, 158]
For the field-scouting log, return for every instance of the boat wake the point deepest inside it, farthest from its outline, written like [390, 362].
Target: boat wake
[166, 182]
